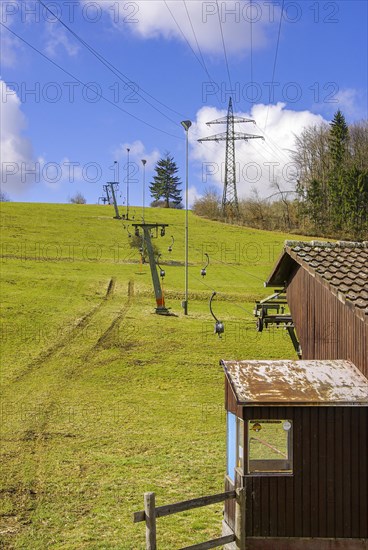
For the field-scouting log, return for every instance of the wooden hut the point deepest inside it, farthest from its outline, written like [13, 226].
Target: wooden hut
[297, 440]
[327, 293]
[297, 431]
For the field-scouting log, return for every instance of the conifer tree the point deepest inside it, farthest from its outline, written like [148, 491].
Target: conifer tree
[337, 142]
[333, 180]
[338, 139]
[166, 183]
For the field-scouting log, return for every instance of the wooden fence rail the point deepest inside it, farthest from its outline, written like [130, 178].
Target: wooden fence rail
[150, 513]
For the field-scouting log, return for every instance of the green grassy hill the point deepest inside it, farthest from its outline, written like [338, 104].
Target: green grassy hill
[102, 399]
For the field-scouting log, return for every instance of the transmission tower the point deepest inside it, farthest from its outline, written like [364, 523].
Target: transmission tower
[230, 206]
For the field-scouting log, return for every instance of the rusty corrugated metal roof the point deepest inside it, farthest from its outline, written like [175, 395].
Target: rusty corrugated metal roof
[342, 266]
[285, 382]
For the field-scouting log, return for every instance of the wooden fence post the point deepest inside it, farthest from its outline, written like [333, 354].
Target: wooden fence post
[150, 512]
[240, 519]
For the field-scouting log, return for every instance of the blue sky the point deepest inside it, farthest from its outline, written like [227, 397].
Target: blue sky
[59, 137]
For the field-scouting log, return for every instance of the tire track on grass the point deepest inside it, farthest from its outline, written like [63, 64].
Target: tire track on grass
[109, 335]
[37, 434]
[75, 331]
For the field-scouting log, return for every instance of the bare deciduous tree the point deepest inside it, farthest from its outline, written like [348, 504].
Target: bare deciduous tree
[78, 198]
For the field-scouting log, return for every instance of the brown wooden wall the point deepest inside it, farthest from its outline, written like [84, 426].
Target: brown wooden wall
[328, 494]
[326, 328]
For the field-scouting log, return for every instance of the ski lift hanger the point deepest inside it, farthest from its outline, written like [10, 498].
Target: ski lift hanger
[162, 271]
[204, 269]
[219, 325]
[152, 226]
[171, 245]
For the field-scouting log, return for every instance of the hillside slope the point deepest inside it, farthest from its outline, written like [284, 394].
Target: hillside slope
[104, 400]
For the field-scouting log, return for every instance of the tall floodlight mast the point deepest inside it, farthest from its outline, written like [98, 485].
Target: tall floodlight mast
[127, 193]
[144, 162]
[230, 205]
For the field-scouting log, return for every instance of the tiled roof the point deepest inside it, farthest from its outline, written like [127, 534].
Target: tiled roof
[342, 266]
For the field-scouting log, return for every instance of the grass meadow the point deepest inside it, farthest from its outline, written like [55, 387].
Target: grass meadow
[102, 399]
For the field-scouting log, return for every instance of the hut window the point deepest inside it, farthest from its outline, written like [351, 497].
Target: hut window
[270, 447]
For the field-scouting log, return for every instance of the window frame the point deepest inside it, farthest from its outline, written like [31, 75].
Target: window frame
[240, 458]
[289, 461]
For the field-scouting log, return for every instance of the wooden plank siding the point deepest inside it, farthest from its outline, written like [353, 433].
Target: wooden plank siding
[326, 327]
[328, 494]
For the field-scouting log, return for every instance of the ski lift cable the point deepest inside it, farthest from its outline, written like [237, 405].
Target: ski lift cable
[205, 284]
[221, 294]
[234, 267]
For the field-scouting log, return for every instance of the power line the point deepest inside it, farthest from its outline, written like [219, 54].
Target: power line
[223, 45]
[85, 85]
[275, 60]
[251, 46]
[274, 145]
[124, 78]
[199, 49]
[185, 38]
[195, 36]
[202, 64]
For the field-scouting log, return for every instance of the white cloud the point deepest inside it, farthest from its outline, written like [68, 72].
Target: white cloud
[54, 175]
[16, 149]
[196, 21]
[258, 162]
[19, 168]
[351, 102]
[137, 153]
[193, 195]
[58, 39]
[8, 46]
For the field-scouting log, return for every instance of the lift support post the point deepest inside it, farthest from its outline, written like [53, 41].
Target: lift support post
[112, 189]
[161, 309]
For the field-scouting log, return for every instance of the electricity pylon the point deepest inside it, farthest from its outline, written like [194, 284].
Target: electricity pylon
[230, 205]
